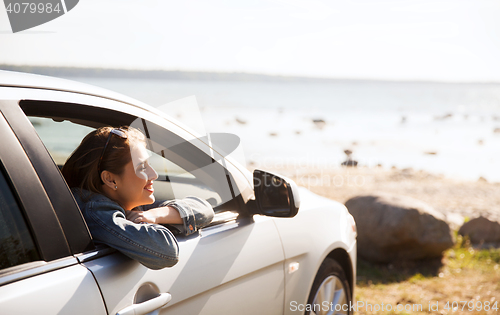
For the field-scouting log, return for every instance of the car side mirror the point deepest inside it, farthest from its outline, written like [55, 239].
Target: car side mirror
[275, 195]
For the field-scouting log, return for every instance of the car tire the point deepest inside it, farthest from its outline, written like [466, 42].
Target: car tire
[330, 293]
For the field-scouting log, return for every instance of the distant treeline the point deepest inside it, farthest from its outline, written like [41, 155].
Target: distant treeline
[190, 75]
[156, 74]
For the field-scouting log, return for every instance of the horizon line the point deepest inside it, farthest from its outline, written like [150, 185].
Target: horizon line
[203, 75]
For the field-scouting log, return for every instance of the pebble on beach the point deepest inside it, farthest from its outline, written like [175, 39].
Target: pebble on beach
[446, 116]
[319, 123]
[349, 161]
[240, 121]
[482, 179]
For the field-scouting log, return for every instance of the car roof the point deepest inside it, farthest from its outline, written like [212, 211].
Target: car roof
[28, 80]
[34, 81]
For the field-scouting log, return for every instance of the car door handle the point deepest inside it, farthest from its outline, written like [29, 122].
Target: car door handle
[146, 306]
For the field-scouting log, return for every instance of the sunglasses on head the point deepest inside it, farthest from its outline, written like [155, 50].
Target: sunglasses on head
[117, 132]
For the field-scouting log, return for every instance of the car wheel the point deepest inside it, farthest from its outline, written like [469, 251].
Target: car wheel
[330, 293]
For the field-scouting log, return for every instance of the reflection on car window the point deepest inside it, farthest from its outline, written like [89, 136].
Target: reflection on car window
[176, 183]
[164, 167]
[16, 245]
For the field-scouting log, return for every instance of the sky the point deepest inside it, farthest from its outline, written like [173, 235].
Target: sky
[449, 40]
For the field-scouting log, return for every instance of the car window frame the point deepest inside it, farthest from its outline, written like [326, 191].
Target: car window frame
[239, 179]
[33, 108]
[36, 208]
[68, 214]
[243, 177]
[95, 116]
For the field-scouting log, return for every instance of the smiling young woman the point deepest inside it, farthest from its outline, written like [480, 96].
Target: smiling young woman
[112, 181]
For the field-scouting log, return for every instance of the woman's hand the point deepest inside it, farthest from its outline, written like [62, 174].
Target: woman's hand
[163, 215]
[141, 216]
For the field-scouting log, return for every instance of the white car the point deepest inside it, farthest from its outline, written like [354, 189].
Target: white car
[260, 255]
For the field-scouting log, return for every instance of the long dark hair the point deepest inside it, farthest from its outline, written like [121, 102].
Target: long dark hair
[81, 168]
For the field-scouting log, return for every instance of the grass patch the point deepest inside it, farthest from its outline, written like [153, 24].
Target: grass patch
[464, 273]
[464, 256]
[369, 273]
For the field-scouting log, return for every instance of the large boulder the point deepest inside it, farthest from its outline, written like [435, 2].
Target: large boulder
[481, 230]
[392, 227]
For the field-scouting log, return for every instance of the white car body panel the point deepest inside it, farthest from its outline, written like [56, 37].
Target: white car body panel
[320, 227]
[252, 266]
[70, 290]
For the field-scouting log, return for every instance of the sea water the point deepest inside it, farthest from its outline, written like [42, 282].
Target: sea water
[443, 128]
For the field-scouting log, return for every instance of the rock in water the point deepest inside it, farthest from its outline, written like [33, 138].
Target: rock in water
[319, 123]
[392, 227]
[240, 121]
[481, 230]
[349, 162]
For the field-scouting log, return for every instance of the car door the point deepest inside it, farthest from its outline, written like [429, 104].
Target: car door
[38, 272]
[233, 266]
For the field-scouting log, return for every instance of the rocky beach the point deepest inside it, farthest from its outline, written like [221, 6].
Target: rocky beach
[465, 274]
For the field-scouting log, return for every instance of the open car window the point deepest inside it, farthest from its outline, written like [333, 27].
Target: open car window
[183, 169]
[60, 138]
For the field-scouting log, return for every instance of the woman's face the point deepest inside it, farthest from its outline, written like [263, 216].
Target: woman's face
[135, 184]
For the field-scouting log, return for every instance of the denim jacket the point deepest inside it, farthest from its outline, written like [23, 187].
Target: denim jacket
[152, 245]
